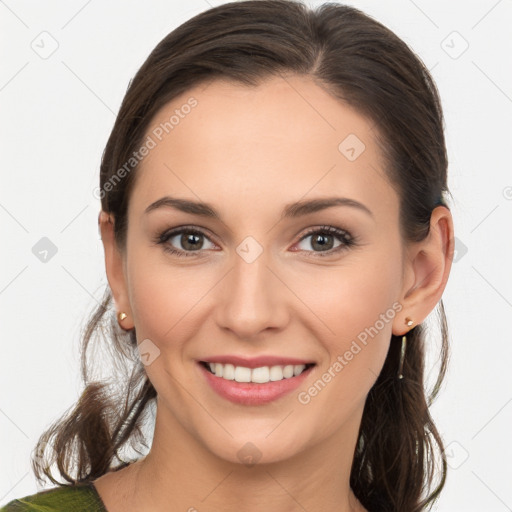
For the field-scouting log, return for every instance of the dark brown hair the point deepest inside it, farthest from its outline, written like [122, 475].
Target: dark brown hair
[362, 63]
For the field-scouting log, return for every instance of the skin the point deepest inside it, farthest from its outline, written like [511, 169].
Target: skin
[249, 151]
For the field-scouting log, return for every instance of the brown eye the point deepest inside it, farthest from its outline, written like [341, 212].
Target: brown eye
[184, 241]
[328, 240]
[191, 241]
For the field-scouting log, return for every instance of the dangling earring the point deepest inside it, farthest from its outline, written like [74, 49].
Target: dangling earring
[408, 322]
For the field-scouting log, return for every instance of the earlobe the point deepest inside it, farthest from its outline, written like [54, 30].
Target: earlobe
[429, 264]
[114, 268]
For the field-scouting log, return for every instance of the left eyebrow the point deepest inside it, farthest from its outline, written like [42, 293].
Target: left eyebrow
[314, 205]
[292, 210]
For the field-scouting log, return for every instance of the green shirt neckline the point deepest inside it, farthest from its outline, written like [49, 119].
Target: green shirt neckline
[94, 491]
[82, 496]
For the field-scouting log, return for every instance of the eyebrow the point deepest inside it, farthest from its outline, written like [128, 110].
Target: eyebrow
[292, 210]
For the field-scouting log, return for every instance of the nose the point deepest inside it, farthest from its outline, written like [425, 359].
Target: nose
[252, 298]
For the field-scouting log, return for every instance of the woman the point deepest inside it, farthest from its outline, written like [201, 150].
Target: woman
[276, 233]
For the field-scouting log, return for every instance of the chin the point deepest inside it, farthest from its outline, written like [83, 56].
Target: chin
[249, 451]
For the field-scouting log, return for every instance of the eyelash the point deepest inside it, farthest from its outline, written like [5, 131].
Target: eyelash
[344, 236]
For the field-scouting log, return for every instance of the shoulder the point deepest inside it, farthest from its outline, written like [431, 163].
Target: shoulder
[80, 498]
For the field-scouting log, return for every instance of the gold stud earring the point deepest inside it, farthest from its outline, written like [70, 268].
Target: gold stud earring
[409, 323]
[122, 316]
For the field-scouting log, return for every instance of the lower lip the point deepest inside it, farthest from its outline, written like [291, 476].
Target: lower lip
[250, 393]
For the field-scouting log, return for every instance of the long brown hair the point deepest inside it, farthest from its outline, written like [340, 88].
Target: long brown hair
[361, 62]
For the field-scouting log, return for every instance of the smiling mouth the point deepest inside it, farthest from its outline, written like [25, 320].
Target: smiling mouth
[260, 375]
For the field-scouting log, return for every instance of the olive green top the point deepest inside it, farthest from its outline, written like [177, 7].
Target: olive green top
[76, 498]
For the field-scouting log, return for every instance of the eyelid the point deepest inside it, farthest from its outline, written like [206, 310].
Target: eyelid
[326, 229]
[189, 228]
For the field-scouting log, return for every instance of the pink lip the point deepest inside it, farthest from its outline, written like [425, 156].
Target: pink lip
[251, 393]
[256, 362]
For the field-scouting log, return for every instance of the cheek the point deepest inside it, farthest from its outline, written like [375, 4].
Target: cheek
[360, 313]
[354, 308]
[347, 300]
[164, 298]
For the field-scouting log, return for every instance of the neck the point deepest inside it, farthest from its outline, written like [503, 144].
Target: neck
[180, 473]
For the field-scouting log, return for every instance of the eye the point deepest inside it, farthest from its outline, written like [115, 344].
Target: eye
[324, 239]
[191, 241]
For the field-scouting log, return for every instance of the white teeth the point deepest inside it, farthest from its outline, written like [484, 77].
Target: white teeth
[276, 373]
[241, 374]
[260, 375]
[298, 369]
[288, 371]
[228, 372]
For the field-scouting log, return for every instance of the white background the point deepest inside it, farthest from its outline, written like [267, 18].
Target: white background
[56, 115]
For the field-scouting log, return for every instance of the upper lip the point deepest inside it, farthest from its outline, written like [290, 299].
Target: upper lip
[256, 362]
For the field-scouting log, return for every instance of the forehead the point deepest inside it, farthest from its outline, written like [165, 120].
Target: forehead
[277, 142]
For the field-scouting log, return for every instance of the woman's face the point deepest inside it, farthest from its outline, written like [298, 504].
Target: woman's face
[257, 280]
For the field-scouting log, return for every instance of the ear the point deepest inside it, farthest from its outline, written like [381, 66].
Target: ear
[426, 271]
[115, 269]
